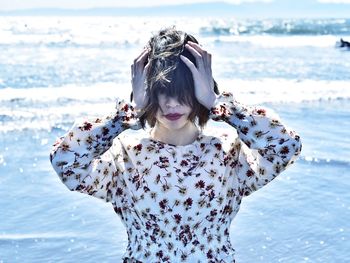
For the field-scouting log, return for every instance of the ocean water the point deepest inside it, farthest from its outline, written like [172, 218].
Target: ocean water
[55, 70]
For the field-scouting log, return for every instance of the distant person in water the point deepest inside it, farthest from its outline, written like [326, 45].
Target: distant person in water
[344, 43]
[175, 188]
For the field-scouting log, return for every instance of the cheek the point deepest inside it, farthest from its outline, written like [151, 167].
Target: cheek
[159, 114]
[188, 111]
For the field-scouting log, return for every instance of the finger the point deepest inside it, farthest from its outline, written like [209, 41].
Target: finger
[189, 64]
[209, 58]
[145, 70]
[197, 47]
[196, 54]
[142, 59]
[142, 53]
[205, 55]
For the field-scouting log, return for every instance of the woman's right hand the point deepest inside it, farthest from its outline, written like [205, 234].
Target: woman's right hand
[138, 77]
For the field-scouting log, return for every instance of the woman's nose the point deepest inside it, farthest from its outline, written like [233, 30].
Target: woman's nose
[171, 103]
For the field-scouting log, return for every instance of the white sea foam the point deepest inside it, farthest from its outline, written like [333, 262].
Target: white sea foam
[45, 108]
[285, 91]
[257, 91]
[34, 236]
[270, 41]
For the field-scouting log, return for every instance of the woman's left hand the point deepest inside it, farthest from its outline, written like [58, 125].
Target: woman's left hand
[202, 74]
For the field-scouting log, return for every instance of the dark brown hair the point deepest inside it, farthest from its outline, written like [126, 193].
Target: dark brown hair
[169, 75]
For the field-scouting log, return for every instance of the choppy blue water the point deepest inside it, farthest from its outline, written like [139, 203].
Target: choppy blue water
[55, 70]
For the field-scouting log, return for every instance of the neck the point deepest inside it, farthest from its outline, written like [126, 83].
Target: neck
[183, 136]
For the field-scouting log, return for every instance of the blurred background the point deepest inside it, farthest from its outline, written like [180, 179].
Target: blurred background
[63, 60]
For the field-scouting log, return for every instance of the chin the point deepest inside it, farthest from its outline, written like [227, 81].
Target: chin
[174, 125]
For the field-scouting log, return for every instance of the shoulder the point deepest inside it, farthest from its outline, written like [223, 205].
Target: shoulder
[132, 138]
[221, 138]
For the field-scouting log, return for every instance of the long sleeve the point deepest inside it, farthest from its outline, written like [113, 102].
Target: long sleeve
[264, 148]
[84, 158]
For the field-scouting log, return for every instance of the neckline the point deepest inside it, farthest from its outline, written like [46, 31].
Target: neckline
[198, 138]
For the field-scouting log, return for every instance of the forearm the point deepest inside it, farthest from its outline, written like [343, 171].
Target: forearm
[260, 129]
[73, 155]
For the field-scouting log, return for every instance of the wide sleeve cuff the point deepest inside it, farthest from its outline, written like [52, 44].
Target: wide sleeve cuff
[77, 154]
[271, 144]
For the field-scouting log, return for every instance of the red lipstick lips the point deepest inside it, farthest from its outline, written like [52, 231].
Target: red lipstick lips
[173, 116]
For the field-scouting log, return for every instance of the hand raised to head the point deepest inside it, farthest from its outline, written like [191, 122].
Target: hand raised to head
[138, 77]
[202, 74]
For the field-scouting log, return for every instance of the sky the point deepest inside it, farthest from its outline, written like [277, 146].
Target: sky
[6, 5]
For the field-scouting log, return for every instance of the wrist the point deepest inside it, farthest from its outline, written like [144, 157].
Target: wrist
[211, 101]
[139, 110]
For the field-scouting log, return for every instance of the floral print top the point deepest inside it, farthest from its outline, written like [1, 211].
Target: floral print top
[176, 202]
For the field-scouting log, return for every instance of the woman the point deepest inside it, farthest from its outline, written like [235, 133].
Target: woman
[175, 189]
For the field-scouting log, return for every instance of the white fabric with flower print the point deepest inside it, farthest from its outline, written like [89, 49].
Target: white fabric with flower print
[176, 202]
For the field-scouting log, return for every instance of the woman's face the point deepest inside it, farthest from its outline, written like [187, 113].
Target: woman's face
[171, 114]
